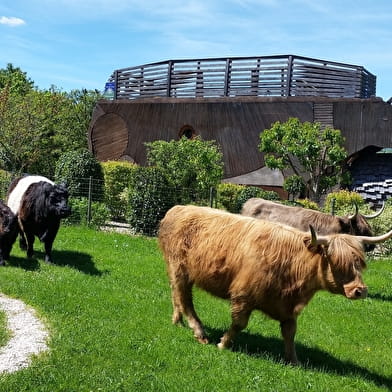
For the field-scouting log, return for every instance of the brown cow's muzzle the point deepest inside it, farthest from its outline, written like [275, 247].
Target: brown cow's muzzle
[355, 291]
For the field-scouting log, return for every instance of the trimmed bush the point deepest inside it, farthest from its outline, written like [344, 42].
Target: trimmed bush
[99, 212]
[227, 195]
[191, 166]
[248, 192]
[232, 196]
[148, 200]
[306, 203]
[343, 203]
[119, 177]
[75, 168]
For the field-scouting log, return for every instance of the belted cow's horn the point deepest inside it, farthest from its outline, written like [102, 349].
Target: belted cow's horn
[376, 214]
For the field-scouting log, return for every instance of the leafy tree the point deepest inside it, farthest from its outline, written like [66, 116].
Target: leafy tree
[36, 126]
[75, 168]
[192, 165]
[314, 154]
[30, 130]
[15, 80]
[82, 106]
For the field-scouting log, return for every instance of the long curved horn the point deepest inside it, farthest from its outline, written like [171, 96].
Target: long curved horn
[375, 215]
[375, 240]
[355, 213]
[322, 240]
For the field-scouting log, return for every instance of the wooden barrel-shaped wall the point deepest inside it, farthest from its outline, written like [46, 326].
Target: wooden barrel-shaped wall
[120, 128]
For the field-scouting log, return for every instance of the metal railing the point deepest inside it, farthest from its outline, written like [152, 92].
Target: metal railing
[285, 75]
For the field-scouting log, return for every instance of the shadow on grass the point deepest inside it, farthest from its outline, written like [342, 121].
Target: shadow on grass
[24, 263]
[311, 358]
[380, 296]
[81, 261]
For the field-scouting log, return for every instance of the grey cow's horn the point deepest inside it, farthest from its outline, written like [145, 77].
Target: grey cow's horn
[376, 214]
[355, 213]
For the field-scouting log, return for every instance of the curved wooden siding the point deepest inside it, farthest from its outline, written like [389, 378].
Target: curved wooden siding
[235, 123]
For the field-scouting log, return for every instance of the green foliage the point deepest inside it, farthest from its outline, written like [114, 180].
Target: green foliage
[74, 168]
[99, 212]
[5, 180]
[119, 177]
[231, 196]
[381, 225]
[148, 200]
[343, 202]
[28, 133]
[80, 105]
[312, 153]
[227, 195]
[15, 80]
[251, 191]
[37, 126]
[306, 203]
[294, 185]
[191, 165]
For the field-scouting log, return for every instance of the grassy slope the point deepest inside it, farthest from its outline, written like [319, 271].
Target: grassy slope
[107, 305]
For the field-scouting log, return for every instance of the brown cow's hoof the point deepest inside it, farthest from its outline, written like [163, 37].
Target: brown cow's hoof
[202, 340]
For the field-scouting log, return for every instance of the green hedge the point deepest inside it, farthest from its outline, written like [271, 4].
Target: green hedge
[232, 196]
[99, 212]
[148, 199]
[119, 179]
[75, 168]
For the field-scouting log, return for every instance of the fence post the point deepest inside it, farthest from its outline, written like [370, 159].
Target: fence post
[90, 181]
[333, 202]
[212, 196]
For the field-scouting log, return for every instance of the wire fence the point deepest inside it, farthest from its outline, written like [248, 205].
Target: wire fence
[137, 210]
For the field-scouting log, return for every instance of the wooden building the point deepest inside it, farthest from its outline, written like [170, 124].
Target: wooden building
[232, 100]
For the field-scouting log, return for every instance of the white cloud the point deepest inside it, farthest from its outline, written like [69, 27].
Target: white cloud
[11, 21]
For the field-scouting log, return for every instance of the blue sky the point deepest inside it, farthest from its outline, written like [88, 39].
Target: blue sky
[77, 44]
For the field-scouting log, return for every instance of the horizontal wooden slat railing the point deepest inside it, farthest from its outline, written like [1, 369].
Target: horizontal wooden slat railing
[286, 75]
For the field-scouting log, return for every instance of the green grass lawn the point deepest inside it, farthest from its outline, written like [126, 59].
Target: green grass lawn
[106, 302]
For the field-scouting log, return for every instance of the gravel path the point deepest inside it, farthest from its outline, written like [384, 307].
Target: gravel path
[28, 335]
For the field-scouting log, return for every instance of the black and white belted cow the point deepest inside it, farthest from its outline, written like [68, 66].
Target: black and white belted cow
[39, 205]
[8, 231]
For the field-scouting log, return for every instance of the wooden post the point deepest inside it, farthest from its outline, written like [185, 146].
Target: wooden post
[227, 78]
[289, 76]
[169, 78]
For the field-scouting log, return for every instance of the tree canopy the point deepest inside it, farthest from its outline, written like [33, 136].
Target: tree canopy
[15, 80]
[37, 126]
[313, 154]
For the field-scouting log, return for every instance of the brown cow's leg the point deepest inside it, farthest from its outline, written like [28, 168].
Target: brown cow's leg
[288, 329]
[183, 304]
[240, 313]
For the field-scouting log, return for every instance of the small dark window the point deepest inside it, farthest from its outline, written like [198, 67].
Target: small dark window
[187, 131]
